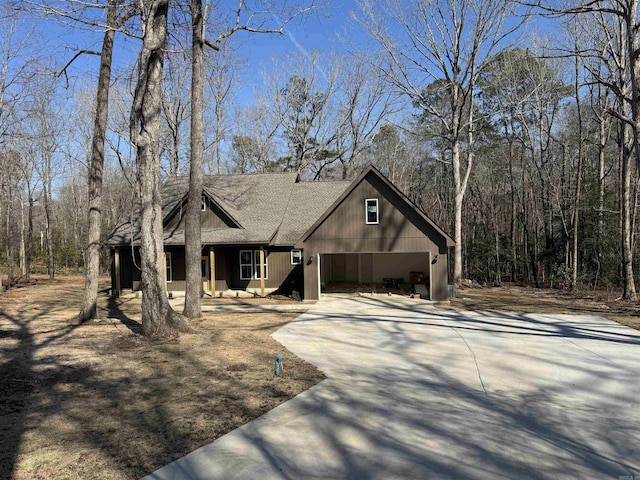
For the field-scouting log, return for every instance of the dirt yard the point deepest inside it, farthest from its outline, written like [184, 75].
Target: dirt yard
[532, 300]
[99, 401]
[269, 300]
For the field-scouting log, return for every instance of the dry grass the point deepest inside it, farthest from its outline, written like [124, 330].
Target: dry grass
[532, 300]
[99, 401]
[269, 300]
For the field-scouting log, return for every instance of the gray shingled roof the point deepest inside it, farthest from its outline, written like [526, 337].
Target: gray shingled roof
[268, 207]
[309, 200]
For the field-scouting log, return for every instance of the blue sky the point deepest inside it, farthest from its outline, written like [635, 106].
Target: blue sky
[325, 29]
[318, 30]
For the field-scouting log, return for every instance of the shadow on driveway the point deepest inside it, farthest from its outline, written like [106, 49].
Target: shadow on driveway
[415, 392]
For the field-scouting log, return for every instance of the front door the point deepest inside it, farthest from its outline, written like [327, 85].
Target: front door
[206, 274]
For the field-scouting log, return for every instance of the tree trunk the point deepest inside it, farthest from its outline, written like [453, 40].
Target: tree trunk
[576, 211]
[219, 114]
[457, 207]
[96, 166]
[9, 253]
[513, 213]
[158, 318]
[29, 252]
[460, 180]
[632, 48]
[51, 266]
[627, 252]
[23, 254]
[192, 229]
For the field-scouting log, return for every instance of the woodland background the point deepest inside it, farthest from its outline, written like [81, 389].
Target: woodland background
[554, 108]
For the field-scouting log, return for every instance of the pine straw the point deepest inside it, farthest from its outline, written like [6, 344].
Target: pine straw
[99, 401]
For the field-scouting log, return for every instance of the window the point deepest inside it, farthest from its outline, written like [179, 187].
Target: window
[371, 211]
[296, 257]
[246, 264]
[169, 268]
[256, 255]
[250, 265]
[204, 203]
[204, 268]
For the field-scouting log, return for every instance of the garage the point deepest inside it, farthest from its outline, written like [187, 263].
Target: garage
[401, 272]
[374, 235]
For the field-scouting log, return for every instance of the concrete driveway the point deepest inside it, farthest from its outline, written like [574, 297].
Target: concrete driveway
[414, 392]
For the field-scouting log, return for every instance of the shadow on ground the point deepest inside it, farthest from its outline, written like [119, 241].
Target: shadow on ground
[416, 392]
[70, 417]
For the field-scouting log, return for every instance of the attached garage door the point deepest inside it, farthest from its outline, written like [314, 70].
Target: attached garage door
[347, 271]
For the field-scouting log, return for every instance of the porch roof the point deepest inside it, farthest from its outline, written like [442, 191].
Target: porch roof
[270, 208]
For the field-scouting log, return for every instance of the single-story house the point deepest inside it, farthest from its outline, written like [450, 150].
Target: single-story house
[273, 233]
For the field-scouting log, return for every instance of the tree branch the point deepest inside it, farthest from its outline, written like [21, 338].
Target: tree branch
[64, 69]
[239, 26]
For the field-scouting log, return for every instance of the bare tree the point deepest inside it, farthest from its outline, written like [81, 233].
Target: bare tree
[254, 138]
[17, 59]
[575, 215]
[96, 169]
[450, 42]
[364, 103]
[158, 318]
[222, 81]
[192, 233]
[45, 127]
[615, 32]
[303, 98]
[176, 109]
[253, 20]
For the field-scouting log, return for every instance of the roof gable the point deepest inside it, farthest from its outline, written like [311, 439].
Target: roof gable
[217, 208]
[255, 202]
[308, 201]
[371, 170]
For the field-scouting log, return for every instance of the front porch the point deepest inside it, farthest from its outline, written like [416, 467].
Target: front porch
[227, 271]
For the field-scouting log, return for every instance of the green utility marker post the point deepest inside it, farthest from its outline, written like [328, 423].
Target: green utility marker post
[278, 365]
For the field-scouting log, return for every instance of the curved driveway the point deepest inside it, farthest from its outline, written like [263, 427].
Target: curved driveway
[414, 392]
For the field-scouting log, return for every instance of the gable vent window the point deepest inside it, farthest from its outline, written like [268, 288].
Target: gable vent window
[371, 211]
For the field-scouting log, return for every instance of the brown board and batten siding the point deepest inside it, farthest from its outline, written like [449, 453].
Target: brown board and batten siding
[212, 217]
[401, 229]
[279, 267]
[227, 268]
[243, 212]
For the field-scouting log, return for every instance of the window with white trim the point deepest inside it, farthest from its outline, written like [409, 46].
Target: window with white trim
[246, 264]
[204, 203]
[372, 214]
[296, 257]
[169, 267]
[250, 265]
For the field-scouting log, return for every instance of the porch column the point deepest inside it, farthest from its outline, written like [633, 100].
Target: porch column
[116, 261]
[212, 267]
[261, 271]
[164, 270]
[319, 293]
